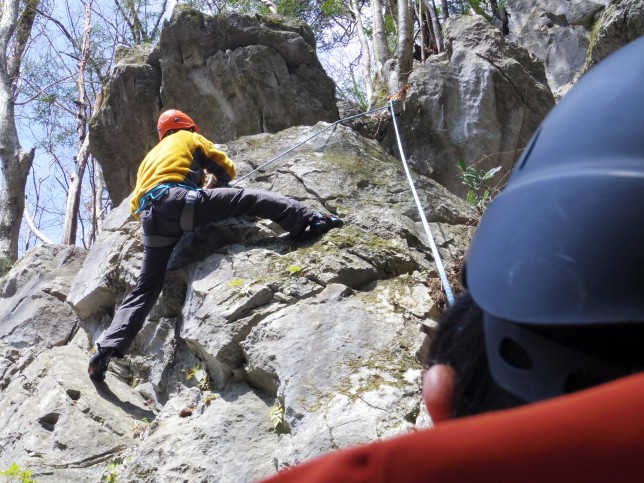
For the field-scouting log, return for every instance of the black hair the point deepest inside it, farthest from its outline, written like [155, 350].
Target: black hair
[459, 343]
[172, 131]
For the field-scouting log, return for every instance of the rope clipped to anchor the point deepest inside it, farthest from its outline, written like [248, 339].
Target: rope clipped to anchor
[306, 140]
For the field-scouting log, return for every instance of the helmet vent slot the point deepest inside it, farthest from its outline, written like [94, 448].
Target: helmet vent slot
[513, 354]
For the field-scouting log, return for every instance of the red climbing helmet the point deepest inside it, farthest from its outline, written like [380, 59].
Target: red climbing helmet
[174, 119]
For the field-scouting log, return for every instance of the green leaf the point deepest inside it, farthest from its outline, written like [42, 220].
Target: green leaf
[13, 470]
[490, 174]
[332, 7]
[294, 269]
[277, 416]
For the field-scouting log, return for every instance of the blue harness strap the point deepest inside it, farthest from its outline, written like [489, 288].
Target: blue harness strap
[159, 191]
[154, 194]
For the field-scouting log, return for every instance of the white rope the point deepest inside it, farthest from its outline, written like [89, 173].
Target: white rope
[307, 139]
[432, 243]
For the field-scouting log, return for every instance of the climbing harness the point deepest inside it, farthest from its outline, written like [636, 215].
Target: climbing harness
[186, 220]
[153, 195]
[437, 258]
[306, 140]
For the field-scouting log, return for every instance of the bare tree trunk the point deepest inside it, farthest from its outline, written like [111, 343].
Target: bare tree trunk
[433, 44]
[380, 47]
[97, 211]
[419, 16]
[15, 162]
[404, 48]
[444, 9]
[438, 35]
[365, 60]
[381, 53]
[34, 229]
[82, 152]
[23, 31]
[74, 194]
[97, 184]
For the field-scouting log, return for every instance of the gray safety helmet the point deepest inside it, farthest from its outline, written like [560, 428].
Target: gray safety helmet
[563, 244]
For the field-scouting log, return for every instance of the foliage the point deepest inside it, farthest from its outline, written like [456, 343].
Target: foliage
[467, 7]
[132, 380]
[350, 85]
[277, 417]
[204, 382]
[15, 473]
[143, 18]
[354, 94]
[479, 193]
[52, 117]
[192, 373]
[329, 19]
[111, 475]
[294, 269]
[5, 267]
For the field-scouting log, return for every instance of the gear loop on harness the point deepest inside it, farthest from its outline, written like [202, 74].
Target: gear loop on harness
[187, 219]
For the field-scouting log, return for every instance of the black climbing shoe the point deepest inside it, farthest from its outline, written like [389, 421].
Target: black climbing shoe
[317, 225]
[98, 363]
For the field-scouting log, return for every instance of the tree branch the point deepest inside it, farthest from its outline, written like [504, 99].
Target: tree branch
[34, 229]
[62, 28]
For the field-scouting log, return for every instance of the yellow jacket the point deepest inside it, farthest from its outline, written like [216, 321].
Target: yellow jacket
[181, 157]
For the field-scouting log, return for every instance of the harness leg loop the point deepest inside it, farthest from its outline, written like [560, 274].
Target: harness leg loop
[187, 219]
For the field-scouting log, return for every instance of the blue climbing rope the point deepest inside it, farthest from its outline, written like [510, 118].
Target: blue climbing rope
[432, 242]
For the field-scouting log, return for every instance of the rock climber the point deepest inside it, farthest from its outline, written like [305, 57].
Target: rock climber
[169, 200]
[536, 373]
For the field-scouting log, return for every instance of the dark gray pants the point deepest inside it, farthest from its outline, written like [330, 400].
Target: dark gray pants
[162, 219]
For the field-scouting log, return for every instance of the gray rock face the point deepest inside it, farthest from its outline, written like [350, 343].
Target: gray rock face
[234, 75]
[573, 35]
[261, 352]
[129, 112]
[479, 102]
[227, 438]
[619, 24]
[249, 74]
[60, 425]
[33, 312]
